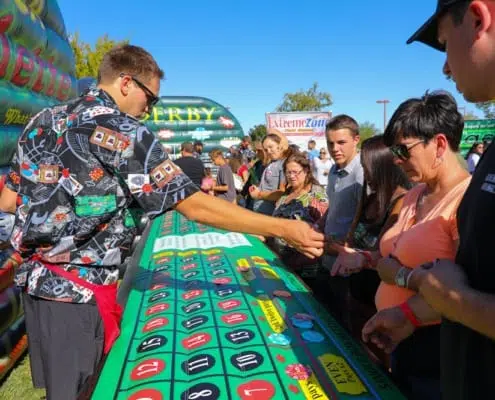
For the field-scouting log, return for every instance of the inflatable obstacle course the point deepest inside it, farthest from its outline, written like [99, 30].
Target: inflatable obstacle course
[36, 65]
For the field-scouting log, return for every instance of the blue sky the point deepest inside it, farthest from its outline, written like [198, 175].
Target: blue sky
[246, 55]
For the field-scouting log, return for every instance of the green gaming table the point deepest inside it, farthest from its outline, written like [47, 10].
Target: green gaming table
[211, 314]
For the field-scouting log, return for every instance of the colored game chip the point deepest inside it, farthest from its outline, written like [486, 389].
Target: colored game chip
[243, 265]
[282, 293]
[279, 338]
[301, 323]
[304, 316]
[298, 371]
[313, 336]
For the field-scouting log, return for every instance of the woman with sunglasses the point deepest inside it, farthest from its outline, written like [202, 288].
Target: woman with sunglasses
[304, 199]
[423, 135]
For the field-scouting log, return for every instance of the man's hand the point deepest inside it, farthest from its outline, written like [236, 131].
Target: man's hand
[6, 226]
[348, 262]
[387, 328]
[304, 238]
[254, 192]
[387, 268]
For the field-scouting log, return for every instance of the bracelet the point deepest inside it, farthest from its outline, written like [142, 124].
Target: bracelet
[409, 314]
[2, 182]
[409, 277]
[367, 256]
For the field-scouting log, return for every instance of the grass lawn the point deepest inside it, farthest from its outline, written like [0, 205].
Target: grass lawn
[17, 385]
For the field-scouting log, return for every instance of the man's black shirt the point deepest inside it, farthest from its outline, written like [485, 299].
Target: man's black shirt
[192, 167]
[468, 358]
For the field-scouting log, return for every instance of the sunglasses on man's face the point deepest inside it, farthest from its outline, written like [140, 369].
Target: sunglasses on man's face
[401, 151]
[151, 99]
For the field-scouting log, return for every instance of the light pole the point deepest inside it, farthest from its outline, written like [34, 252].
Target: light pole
[384, 102]
[463, 111]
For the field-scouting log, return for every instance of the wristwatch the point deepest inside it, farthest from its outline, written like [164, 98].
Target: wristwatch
[401, 277]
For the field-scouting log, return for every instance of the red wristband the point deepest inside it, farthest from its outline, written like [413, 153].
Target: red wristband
[369, 259]
[409, 314]
[2, 182]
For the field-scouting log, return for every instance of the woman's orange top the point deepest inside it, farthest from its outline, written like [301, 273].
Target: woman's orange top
[414, 244]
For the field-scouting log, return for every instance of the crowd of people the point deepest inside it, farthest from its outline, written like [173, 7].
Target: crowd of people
[392, 234]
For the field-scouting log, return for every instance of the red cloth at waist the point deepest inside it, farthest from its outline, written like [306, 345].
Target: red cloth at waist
[106, 301]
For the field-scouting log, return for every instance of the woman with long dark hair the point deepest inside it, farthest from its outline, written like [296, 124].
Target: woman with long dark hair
[378, 209]
[474, 155]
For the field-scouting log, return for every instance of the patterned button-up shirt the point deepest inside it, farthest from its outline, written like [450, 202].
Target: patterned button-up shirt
[77, 169]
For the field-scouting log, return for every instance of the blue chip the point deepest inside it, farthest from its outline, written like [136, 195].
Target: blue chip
[313, 336]
[301, 323]
[279, 338]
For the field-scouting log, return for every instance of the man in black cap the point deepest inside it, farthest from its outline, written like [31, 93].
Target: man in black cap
[461, 293]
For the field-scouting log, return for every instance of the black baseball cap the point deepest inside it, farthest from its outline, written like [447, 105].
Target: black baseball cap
[428, 33]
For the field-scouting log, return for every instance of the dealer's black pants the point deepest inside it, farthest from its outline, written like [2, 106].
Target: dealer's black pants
[65, 345]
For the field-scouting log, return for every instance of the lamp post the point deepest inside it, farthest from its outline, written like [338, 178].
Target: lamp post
[463, 111]
[384, 102]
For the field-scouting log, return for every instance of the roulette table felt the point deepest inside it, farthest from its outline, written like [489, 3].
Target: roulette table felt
[211, 314]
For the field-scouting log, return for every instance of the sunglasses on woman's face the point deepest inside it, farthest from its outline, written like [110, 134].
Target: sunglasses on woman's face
[401, 151]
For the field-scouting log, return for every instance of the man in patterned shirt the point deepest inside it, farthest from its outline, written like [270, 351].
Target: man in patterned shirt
[77, 168]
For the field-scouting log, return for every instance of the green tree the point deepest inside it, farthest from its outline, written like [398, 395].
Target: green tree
[88, 59]
[306, 100]
[470, 116]
[367, 130]
[488, 109]
[257, 132]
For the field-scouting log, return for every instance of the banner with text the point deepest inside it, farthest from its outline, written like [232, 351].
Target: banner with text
[300, 127]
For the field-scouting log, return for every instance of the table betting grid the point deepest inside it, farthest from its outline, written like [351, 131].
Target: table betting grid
[214, 315]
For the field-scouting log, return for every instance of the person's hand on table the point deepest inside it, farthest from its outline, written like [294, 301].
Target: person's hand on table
[387, 328]
[304, 238]
[254, 192]
[387, 268]
[259, 237]
[349, 261]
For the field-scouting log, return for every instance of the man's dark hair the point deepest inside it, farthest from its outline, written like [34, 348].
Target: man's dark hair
[343, 122]
[458, 10]
[132, 60]
[187, 147]
[426, 117]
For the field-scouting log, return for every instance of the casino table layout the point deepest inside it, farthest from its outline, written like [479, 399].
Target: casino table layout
[212, 314]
